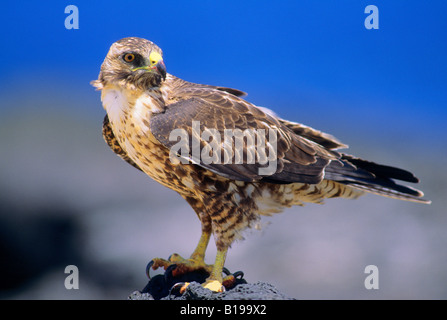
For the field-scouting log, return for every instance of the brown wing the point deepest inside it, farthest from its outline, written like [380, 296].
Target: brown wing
[179, 86]
[303, 154]
[113, 143]
[186, 89]
[324, 139]
[298, 159]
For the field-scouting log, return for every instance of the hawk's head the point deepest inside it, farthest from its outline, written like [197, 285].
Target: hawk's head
[132, 61]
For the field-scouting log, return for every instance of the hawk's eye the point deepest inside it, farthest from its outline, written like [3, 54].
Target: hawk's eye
[129, 57]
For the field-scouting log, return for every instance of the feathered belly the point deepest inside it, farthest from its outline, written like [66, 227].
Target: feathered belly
[153, 159]
[129, 114]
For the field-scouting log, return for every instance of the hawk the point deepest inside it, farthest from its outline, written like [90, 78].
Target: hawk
[145, 105]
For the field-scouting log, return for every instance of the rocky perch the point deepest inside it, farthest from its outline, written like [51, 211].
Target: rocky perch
[255, 291]
[162, 287]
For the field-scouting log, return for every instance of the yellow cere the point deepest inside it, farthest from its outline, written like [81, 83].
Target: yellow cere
[154, 57]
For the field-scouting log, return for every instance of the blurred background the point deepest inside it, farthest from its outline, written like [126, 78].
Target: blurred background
[66, 199]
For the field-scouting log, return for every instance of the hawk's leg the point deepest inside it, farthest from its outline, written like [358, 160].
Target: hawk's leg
[195, 262]
[199, 252]
[215, 280]
[197, 259]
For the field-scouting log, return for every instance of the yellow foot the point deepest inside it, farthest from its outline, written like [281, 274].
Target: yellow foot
[220, 286]
[183, 265]
[214, 285]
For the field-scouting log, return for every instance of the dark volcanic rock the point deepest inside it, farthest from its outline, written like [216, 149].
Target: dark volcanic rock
[248, 291]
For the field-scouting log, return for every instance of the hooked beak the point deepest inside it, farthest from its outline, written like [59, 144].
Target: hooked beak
[155, 64]
[161, 68]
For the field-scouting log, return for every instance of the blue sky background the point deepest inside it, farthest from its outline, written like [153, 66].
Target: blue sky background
[311, 61]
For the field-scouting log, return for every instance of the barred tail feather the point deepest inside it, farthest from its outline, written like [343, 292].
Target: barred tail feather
[390, 193]
[374, 178]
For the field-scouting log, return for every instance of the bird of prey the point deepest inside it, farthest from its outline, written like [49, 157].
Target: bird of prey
[145, 105]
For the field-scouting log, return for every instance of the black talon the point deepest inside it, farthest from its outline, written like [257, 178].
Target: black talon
[226, 271]
[148, 269]
[234, 279]
[168, 272]
[175, 286]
